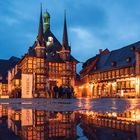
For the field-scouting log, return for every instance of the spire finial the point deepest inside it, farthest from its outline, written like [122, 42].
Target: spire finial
[46, 21]
[65, 12]
[40, 30]
[41, 6]
[65, 43]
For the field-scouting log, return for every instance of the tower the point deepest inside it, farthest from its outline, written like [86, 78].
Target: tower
[65, 53]
[40, 47]
[39, 73]
[46, 21]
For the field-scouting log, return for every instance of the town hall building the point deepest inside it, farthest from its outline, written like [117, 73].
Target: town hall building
[46, 64]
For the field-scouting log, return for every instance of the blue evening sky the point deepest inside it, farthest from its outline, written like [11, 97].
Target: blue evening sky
[92, 24]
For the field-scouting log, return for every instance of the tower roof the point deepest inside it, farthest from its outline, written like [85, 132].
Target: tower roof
[46, 14]
[65, 43]
[40, 36]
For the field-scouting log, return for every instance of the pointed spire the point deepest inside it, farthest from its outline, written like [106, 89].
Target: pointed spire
[65, 43]
[40, 36]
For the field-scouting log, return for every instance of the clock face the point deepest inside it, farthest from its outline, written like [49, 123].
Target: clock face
[48, 43]
[50, 39]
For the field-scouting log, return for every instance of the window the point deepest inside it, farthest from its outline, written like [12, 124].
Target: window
[30, 66]
[0, 77]
[128, 59]
[109, 74]
[121, 72]
[117, 72]
[123, 84]
[119, 85]
[113, 63]
[67, 66]
[132, 48]
[131, 70]
[113, 73]
[30, 61]
[132, 84]
[17, 82]
[95, 68]
[127, 84]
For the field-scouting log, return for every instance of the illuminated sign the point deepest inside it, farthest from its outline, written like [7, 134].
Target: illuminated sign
[27, 85]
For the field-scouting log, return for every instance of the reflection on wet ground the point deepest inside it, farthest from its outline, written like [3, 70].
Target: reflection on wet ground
[100, 119]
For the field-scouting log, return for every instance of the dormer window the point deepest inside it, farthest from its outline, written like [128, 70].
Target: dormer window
[95, 68]
[0, 77]
[113, 63]
[128, 59]
[132, 48]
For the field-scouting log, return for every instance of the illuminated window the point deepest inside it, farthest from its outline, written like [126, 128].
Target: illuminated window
[128, 59]
[121, 71]
[16, 82]
[126, 71]
[113, 73]
[42, 65]
[63, 66]
[117, 72]
[30, 66]
[109, 74]
[132, 84]
[30, 61]
[123, 84]
[131, 70]
[127, 84]
[119, 85]
[113, 63]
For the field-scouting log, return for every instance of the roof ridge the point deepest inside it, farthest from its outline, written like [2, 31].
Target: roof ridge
[126, 46]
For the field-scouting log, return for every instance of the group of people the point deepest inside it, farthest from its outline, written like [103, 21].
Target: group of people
[63, 92]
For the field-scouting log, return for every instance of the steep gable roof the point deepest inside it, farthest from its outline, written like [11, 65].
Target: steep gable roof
[118, 56]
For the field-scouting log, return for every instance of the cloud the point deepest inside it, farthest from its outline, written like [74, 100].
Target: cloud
[84, 44]
[91, 24]
[10, 21]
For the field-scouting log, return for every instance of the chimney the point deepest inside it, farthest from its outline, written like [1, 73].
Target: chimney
[100, 51]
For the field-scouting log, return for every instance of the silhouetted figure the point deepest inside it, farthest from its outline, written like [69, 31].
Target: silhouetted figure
[69, 92]
[64, 92]
[60, 91]
[55, 91]
[49, 93]
[72, 92]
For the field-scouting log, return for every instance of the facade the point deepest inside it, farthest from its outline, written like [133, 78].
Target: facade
[112, 73]
[6, 65]
[46, 64]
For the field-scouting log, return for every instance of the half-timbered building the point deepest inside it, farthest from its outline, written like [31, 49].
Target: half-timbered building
[112, 73]
[46, 64]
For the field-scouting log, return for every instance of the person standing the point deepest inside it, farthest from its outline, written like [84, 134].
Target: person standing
[60, 92]
[68, 92]
[55, 91]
